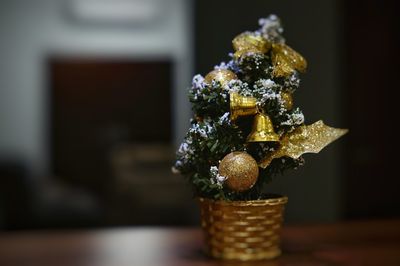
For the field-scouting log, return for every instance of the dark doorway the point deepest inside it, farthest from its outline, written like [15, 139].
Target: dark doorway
[372, 182]
[98, 105]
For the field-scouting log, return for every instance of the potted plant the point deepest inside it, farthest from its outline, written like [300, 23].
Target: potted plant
[245, 130]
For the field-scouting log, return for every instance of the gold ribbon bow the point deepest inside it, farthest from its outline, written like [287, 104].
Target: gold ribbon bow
[285, 60]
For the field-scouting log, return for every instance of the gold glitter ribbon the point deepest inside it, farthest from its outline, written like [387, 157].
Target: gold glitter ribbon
[249, 42]
[285, 60]
[305, 139]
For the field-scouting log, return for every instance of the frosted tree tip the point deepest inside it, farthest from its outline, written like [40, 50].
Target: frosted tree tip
[271, 28]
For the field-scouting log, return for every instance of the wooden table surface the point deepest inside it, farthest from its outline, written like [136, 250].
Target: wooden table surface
[372, 243]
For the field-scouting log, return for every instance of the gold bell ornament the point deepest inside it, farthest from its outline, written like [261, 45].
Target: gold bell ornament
[263, 130]
[241, 105]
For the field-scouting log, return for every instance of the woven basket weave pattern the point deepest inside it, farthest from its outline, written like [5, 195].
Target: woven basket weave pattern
[243, 230]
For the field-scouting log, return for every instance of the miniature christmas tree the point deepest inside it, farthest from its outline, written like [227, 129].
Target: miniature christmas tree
[246, 128]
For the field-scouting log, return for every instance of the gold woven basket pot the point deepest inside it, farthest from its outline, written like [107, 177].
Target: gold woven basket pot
[243, 230]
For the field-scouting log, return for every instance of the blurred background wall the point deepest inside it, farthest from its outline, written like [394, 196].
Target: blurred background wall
[93, 104]
[74, 145]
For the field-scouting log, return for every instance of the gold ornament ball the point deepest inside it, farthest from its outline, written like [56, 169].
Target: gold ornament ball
[221, 75]
[240, 169]
[288, 100]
